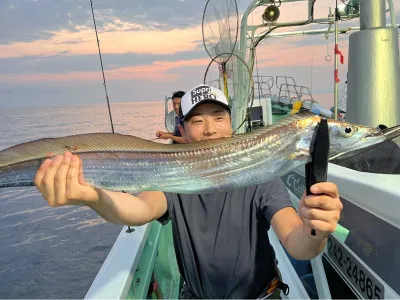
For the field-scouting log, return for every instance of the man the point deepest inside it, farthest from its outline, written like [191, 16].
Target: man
[221, 240]
[176, 135]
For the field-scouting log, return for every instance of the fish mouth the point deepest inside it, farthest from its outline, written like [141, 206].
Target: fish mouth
[371, 140]
[392, 132]
[374, 134]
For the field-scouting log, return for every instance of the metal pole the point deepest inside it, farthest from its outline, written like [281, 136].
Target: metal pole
[102, 70]
[372, 14]
[335, 90]
[373, 88]
[312, 62]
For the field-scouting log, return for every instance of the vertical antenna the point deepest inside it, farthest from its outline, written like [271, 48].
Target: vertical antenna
[102, 70]
[312, 65]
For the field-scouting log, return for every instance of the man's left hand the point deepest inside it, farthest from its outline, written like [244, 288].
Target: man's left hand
[321, 211]
[165, 136]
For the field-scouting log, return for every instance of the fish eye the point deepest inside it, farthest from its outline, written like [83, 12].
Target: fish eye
[348, 131]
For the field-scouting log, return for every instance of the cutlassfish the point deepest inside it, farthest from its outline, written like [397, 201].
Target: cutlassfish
[125, 162]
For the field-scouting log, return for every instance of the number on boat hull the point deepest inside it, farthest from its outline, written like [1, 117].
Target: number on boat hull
[365, 283]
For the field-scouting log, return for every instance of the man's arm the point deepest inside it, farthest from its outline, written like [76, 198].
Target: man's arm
[319, 212]
[61, 182]
[293, 235]
[159, 133]
[177, 139]
[122, 208]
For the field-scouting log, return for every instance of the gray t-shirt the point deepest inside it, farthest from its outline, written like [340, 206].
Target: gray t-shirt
[221, 242]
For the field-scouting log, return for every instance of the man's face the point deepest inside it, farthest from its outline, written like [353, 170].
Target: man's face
[176, 103]
[208, 121]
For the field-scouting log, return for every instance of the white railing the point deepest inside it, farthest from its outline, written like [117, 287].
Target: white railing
[115, 276]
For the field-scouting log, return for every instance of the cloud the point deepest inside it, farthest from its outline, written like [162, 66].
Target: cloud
[27, 20]
[143, 33]
[48, 44]
[80, 63]
[83, 42]
[156, 71]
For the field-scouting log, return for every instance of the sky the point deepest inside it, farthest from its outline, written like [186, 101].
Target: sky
[150, 48]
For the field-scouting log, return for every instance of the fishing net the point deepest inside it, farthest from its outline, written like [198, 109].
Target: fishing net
[232, 80]
[214, 75]
[220, 29]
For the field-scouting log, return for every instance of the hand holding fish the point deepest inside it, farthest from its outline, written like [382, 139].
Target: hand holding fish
[321, 211]
[61, 181]
[165, 136]
[113, 161]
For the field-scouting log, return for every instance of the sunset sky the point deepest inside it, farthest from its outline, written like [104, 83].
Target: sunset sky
[150, 48]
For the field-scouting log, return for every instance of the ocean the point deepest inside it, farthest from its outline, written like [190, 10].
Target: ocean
[56, 252]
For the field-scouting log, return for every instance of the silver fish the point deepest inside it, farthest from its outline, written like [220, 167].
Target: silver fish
[123, 162]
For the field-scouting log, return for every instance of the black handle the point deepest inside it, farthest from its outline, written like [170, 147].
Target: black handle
[310, 181]
[316, 169]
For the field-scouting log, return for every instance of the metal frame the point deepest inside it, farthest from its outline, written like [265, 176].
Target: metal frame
[242, 91]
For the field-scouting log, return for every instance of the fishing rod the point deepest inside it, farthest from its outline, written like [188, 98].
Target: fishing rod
[129, 230]
[102, 69]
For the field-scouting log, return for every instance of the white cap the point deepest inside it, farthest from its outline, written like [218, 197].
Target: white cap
[202, 94]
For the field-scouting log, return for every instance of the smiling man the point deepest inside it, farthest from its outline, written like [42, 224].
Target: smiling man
[221, 241]
[211, 120]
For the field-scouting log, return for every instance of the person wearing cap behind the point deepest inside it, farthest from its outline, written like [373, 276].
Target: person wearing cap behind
[221, 241]
[176, 135]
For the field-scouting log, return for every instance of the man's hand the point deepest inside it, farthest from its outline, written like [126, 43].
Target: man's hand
[321, 211]
[159, 133]
[166, 136]
[61, 181]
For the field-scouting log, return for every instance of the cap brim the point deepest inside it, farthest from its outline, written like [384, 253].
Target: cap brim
[188, 115]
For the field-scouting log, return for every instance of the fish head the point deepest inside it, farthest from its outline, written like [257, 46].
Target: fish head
[345, 137]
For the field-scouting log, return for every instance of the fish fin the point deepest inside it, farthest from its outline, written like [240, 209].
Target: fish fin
[78, 144]
[95, 142]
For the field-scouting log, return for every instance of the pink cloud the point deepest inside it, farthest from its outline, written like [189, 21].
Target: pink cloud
[82, 41]
[157, 71]
[125, 37]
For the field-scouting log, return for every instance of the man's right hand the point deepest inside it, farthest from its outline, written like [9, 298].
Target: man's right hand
[60, 180]
[159, 133]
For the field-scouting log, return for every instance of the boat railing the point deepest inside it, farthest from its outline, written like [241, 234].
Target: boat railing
[279, 80]
[263, 85]
[286, 86]
[115, 275]
[291, 91]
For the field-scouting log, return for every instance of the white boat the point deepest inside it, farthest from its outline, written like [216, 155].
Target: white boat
[362, 258]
